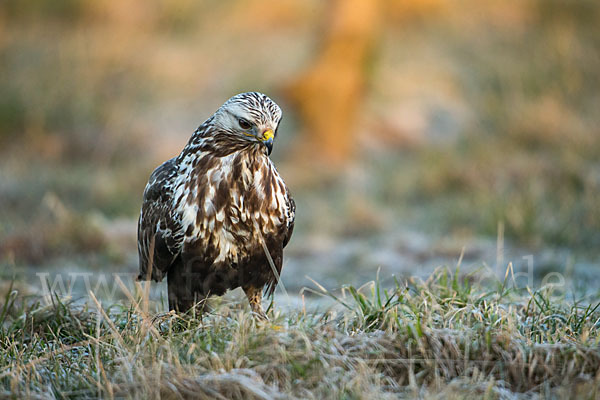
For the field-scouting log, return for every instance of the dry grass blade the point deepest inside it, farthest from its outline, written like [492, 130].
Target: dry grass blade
[418, 339]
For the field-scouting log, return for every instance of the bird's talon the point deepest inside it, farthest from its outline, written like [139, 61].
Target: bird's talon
[261, 316]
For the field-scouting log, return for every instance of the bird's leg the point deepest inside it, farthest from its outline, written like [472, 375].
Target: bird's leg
[182, 296]
[254, 295]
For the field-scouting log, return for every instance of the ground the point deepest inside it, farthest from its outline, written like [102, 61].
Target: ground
[441, 337]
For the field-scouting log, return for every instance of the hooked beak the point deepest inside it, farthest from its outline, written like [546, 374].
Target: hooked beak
[267, 139]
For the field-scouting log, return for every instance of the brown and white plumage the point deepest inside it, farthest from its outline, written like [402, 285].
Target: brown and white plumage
[207, 212]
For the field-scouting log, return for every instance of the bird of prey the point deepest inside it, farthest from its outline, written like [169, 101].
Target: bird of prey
[218, 216]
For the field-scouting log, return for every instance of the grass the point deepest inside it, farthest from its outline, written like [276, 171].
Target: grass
[447, 336]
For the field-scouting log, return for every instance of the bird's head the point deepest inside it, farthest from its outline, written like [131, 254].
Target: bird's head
[251, 117]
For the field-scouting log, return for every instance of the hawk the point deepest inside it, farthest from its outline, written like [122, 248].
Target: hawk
[218, 216]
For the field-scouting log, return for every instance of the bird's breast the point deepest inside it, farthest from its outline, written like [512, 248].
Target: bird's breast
[227, 207]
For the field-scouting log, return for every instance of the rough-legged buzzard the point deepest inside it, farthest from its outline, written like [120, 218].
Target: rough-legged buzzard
[210, 215]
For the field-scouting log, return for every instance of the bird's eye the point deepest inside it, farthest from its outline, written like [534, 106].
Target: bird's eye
[244, 124]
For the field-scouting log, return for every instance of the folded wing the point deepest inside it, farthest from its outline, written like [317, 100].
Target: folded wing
[160, 232]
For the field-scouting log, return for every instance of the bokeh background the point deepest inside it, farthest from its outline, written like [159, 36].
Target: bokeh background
[414, 131]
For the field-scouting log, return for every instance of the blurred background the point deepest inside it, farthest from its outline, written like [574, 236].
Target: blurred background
[413, 131]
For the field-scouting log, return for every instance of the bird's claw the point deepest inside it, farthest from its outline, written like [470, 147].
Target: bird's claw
[260, 316]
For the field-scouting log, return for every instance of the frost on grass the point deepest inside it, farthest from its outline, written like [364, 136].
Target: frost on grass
[438, 338]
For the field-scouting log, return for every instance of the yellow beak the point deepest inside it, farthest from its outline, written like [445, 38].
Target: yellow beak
[267, 135]
[267, 139]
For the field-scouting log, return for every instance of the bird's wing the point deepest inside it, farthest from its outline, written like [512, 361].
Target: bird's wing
[291, 219]
[160, 232]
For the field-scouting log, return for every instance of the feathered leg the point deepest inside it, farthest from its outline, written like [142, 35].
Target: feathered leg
[254, 295]
[182, 296]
